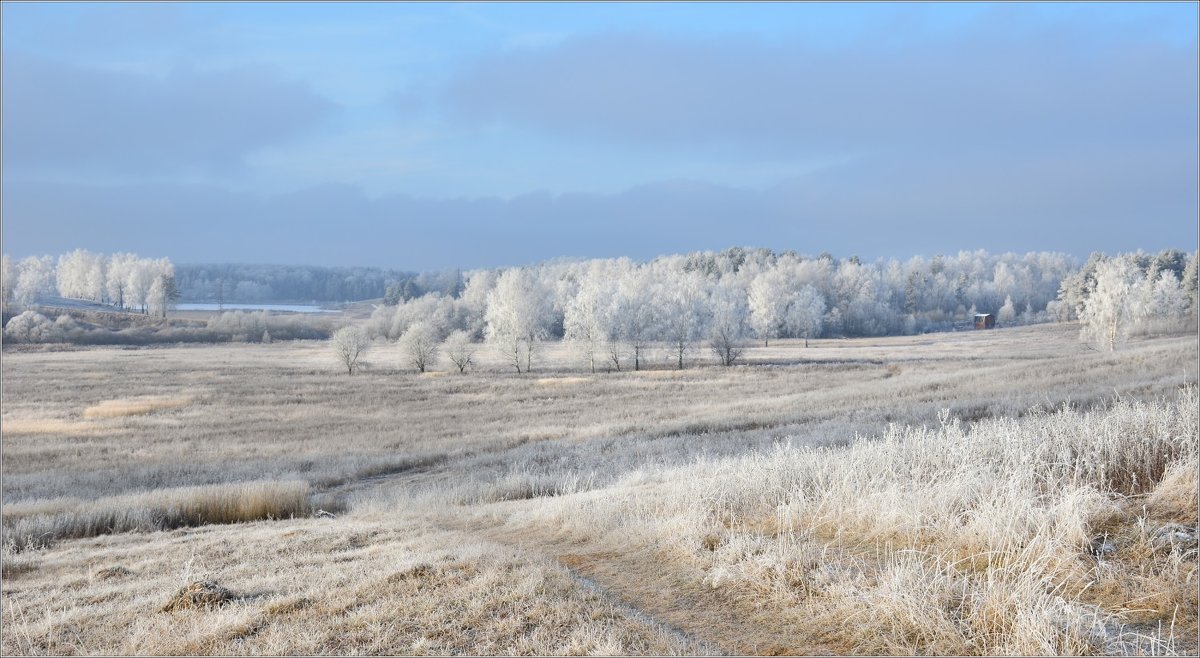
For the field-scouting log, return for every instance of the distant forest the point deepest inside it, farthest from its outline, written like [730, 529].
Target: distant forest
[306, 283]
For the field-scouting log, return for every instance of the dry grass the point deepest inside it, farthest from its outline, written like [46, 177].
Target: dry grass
[135, 406]
[46, 426]
[931, 494]
[39, 523]
[317, 587]
[957, 539]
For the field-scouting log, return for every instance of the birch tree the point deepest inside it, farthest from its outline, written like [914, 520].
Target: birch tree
[519, 312]
[1110, 310]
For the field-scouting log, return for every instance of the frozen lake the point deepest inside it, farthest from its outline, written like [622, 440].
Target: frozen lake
[290, 308]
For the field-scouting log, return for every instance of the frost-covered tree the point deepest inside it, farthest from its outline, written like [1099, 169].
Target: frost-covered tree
[8, 282]
[459, 348]
[770, 295]
[727, 325]
[682, 298]
[140, 279]
[1110, 310]
[805, 313]
[420, 346]
[81, 275]
[1007, 313]
[1168, 303]
[29, 327]
[1191, 282]
[35, 277]
[633, 315]
[586, 315]
[519, 313]
[116, 283]
[474, 298]
[163, 292]
[348, 344]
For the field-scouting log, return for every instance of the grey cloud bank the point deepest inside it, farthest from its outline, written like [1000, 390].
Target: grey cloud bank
[337, 225]
[72, 118]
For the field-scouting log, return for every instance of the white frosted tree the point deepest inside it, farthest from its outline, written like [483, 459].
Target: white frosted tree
[806, 313]
[727, 324]
[420, 345]
[682, 299]
[1007, 313]
[474, 298]
[80, 275]
[1168, 304]
[769, 297]
[633, 316]
[519, 313]
[163, 291]
[8, 281]
[586, 315]
[117, 280]
[1110, 311]
[348, 344]
[141, 277]
[35, 277]
[459, 348]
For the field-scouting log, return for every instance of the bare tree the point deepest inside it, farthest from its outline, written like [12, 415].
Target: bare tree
[460, 350]
[349, 343]
[420, 345]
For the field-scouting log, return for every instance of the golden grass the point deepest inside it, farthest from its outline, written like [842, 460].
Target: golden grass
[560, 381]
[42, 522]
[135, 406]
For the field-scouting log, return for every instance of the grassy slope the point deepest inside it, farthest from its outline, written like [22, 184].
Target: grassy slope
[458, 468]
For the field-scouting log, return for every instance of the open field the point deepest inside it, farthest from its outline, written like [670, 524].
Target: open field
[1009, 491]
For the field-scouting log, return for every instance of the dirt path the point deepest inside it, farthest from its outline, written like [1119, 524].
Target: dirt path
[665, 591]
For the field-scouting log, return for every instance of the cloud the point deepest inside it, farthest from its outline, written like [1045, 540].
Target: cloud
[63, 117]
[880, 209]
[987, 87]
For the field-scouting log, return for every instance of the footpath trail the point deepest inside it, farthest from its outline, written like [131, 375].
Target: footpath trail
[660, 589]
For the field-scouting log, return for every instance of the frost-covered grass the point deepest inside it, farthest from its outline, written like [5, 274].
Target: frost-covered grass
[955, 539]
[927, 494]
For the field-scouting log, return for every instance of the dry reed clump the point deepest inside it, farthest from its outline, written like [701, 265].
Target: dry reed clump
[137, 406]
[40, 523]
[1175, 497]
[205, 594]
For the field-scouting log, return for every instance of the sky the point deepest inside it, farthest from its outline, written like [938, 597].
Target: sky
[430, 136]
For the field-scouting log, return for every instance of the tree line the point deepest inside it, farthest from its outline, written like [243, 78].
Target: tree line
[614, 311]
[219, 283]
[122, 280]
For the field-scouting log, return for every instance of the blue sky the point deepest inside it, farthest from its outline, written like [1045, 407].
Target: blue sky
[439, 135]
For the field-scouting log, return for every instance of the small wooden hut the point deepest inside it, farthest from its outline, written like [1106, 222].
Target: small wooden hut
[985, 321]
